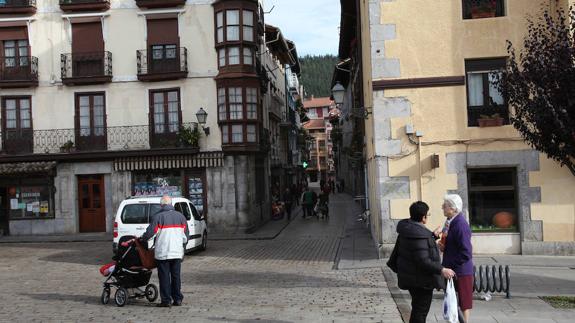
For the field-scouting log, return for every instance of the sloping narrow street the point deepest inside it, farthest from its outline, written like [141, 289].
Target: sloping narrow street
[291, 278]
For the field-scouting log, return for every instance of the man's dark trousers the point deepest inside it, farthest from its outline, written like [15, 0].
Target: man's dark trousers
[420, 304]
[170, 282]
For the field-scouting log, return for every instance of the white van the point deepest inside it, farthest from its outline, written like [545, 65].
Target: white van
[134, 215]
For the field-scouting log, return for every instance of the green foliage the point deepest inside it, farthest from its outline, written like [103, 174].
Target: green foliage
[316, 74]
[188, 136]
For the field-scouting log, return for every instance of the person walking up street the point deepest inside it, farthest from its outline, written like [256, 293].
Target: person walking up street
[307, 202]
[287, 199]
[170, 229]
[457, 250]
[415, 259]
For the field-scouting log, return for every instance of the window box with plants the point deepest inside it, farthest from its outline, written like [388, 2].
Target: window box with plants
[67, 147]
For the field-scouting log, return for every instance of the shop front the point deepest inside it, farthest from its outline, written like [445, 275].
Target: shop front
[27, 197]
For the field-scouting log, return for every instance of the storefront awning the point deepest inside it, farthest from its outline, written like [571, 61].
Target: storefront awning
[26, 168]
[204, 159]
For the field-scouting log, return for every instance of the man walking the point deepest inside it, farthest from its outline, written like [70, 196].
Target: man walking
[171, 230]
[307, 202]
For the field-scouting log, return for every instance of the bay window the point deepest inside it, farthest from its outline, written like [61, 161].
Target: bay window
[238, 114]
[235, 25]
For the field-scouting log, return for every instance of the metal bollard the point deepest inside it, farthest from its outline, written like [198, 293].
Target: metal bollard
[487, 280]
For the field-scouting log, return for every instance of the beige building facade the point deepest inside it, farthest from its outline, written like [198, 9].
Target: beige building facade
[435, 124]
[107, 99]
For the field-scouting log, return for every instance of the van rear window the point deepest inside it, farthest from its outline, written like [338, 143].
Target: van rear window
[135, 214]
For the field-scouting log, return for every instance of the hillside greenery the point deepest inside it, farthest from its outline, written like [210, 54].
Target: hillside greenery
[316, 73]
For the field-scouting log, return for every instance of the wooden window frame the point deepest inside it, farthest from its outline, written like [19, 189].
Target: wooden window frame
[18, 112]
[166, 110]
[484, 66]
[500, 11]
[240, 8]
[91, 95]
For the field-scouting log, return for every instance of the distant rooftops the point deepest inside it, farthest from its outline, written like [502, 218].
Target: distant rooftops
[317, 102]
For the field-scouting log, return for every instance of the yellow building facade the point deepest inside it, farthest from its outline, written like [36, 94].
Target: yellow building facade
[427, 69]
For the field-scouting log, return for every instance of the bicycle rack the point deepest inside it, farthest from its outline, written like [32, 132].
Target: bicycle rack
[492, 279]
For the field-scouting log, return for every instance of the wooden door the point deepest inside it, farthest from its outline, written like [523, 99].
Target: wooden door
[92, 203]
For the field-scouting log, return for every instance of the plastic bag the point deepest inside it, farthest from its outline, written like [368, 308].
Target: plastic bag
[450, 311]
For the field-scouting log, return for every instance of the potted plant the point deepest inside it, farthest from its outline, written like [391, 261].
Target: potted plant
[67, 147]
[188, 136]
[483, 9]
[494, 120]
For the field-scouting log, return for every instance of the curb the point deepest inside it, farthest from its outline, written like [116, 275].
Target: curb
[402, 303]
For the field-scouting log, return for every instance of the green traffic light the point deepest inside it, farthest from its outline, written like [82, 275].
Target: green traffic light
[304, 164]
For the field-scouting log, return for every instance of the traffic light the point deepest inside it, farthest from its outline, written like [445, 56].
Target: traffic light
[304, 164]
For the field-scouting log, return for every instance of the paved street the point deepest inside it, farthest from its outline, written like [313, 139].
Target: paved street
[288, 279]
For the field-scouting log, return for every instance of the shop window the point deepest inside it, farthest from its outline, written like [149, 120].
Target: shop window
[478, 9]
[493, 200]
[196, 193]
[156, 184]
[484, 100]
[30, 199]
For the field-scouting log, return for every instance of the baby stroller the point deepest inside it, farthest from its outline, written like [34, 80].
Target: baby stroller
[128, 276]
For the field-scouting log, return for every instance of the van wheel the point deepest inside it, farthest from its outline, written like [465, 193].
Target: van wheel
[204, 245]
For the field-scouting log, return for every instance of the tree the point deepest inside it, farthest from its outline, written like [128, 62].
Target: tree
[316, 74]
[539, 82]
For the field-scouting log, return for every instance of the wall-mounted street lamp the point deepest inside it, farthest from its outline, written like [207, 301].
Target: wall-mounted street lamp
[202, 115]
[338, 91]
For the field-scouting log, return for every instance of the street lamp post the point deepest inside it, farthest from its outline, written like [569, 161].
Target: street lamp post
[202, 115]
[338, 92]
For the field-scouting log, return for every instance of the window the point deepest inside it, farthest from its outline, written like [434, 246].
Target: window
[160, 52]
[477, 9]
[236, 105]
[184, 209]
[222, 113]
[237, 24]
[234, 55]
[91, 116]
[160, 183]
[483, 98]
[252, 103]
[251, 133]
[312, 114]
[30, 199]
[16, 53]
[225, 135]
[237, 134]
[17, 113]
[322, 144]
[222, 57]
[248, 25]
[166, 111]
[248, 56]
[493, 199]
[232, 25]
[220, 26]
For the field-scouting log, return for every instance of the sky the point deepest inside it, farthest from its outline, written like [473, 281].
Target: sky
[313, 25]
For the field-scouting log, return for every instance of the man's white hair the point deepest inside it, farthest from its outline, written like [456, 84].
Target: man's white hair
[454, 201]
[166, 200]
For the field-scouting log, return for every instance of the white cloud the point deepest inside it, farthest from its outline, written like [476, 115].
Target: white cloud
[312, 24]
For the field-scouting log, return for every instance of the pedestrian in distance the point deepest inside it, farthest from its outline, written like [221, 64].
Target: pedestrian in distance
[415, 258]
[457, 250]
[170, 229]
[287, 199]
[324, 203]
[307, 202]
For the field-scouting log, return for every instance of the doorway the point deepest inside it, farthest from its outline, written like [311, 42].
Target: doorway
[91, 199]
[4, 225]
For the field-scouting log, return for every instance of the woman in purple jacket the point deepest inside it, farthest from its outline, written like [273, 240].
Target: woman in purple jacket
[457, 251]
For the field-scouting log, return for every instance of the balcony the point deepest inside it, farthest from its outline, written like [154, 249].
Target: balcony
[162, 65]
[84, 5]
[86, 68]
[149, 4]
[60, 143]
[17, 7]
[18, 72]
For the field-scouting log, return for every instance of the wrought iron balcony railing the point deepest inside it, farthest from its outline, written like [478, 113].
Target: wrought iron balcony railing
[93, 67]
[161, 64]
[121, 138]
[15, 71]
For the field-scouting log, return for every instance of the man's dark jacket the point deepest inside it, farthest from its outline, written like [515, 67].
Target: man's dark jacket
[415, 257]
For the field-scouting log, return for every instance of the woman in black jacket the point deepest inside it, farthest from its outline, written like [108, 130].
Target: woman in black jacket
[416, 261]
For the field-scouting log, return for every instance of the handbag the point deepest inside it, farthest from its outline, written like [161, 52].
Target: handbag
[392, 262]
[147, 256]
[450, 310]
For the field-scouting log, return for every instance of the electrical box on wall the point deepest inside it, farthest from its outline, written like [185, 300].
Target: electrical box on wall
[434, 161]
[409, 129]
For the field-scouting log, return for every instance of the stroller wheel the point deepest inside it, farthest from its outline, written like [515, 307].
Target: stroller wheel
[121, 297]
[151, 293]
[105, 296]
